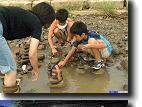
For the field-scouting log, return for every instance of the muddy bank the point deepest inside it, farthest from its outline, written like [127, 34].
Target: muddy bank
[78, 77]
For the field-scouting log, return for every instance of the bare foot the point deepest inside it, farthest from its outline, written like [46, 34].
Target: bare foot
[34, 73]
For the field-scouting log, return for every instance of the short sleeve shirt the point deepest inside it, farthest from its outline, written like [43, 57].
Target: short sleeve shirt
[91, 34]
[19, 23]
[54, 26]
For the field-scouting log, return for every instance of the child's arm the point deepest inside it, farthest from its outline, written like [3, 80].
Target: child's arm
[58, 72]
[97, 44]
[73, 40]
[54, 51]
[62, 63]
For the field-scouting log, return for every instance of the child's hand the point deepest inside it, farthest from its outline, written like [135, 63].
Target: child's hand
[54, 51]
[61, 64]
[88, 46]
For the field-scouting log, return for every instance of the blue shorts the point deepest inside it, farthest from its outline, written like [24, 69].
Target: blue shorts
[6, 60]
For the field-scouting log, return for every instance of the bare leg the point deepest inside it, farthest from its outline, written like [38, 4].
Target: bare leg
[96, 52]
[10, 78]
[58, 35]
[68, 31]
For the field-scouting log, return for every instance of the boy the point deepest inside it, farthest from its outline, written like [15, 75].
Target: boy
[92, 41]
[60, 28]
[17, 23]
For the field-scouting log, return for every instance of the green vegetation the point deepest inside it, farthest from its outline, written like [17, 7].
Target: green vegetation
[109, 8]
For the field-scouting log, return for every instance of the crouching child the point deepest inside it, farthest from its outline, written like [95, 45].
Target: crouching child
[91, 42]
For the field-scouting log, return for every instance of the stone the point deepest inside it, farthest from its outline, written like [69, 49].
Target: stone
[125, 87]
[54, 60]
[119, 68]
[100, 71]
[41, 57]
[41, 47]
[115, 51]
[24, 57]
[124, 63]
[54, 81]
[109, 60]
[109, 64]
[45, 37]
[25, 61]
[59, 85]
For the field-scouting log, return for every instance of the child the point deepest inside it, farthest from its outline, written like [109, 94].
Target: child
[60, 28]
[92, 42]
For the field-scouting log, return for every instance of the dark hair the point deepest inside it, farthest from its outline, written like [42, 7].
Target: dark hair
[78, 28]
[44, 12]
[62, 15]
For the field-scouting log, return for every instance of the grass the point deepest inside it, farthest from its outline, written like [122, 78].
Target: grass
[70, 6]
[109, 8]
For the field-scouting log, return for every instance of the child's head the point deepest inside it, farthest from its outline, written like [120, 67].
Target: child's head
[61, 16]
[79, 30]
[44, 12]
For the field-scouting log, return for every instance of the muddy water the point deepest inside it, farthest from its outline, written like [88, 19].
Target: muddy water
[75, 82]
[111, 79]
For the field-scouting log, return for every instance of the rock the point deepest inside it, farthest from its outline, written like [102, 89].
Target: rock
[125, 39]
[115, 50]
[45, 37]
[124, 63]
[100, 71]
[59, 85]
[119, 68]
[26, 51]
[24, 57]
[41, 57]
[53, 71]
[86, 67]
[54, 60]
[109, 60]
[21, 46]
[41, 47]
[19, 69]
[54, 76]
[75, 64]
[13, 44]
[55, 40]
[109, 64]
[29, 68]
[72, 65]
[125, 87]
[54, 81]
[126, 50]
[17, 46]
[81, 67]
[25, 61]
[21, 77]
